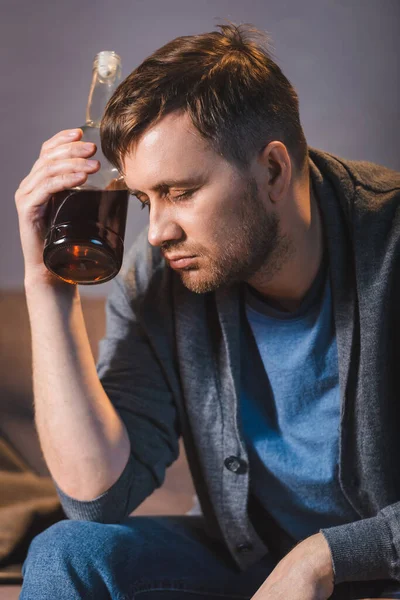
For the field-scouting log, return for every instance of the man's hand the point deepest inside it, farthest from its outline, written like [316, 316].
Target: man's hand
[306, 573]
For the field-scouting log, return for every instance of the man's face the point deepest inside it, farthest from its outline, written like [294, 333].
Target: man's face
[200, 206]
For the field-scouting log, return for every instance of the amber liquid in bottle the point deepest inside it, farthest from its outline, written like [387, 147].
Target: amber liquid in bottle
[85, 243]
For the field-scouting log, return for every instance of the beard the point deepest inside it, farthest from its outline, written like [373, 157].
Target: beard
[255, 246]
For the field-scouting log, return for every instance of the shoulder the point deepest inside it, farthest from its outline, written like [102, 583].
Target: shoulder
[363, 173]
[368, 186]
[371, 176]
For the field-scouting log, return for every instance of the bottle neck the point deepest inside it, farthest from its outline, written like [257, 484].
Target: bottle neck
[100, 93]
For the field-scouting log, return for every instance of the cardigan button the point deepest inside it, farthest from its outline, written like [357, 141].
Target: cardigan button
[236, 465]
[244, 547]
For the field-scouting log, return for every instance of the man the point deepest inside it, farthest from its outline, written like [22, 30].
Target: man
[256, 317]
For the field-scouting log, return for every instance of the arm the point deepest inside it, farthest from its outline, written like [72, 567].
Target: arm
[132, 377]
[83, 439]
[305, 573]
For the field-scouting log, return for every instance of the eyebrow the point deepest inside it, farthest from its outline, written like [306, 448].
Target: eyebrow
[170, 183]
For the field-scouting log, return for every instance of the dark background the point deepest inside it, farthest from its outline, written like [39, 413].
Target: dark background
[341, 55]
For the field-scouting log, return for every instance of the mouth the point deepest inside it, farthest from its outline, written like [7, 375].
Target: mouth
[181, 262]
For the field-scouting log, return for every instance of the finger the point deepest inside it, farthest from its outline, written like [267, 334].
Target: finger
[61, 138]
[58, 183]
[50, 186]
[72, 149]
[57, 167]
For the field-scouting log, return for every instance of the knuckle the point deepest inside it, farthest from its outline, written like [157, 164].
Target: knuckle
[44, 156]
[45, 169]
[22, 184]
[65, 178]
[49, 184]
[38, 165]
[46, 184]
[50, 167]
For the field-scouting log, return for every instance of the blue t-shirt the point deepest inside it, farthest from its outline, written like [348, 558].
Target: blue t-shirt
[292, 430]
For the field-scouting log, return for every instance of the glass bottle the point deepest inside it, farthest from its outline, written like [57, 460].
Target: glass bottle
[86, 224]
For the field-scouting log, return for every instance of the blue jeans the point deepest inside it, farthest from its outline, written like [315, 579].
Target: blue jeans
[148, 558]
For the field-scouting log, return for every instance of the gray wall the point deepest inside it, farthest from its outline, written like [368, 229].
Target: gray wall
[341, 55]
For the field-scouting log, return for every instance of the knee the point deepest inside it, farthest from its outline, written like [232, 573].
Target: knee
[59, 562]
[68, 541]
[60, 543]
[79, 546]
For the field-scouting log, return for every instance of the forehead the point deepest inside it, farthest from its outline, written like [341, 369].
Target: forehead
[171, 149]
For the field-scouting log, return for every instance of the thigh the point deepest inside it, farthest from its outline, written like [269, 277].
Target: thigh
[142, 557]
[179, 560]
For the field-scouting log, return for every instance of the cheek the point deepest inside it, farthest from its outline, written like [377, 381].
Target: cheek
[211, 220]
[198, 224]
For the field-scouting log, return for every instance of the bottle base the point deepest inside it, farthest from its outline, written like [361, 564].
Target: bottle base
[80, 262]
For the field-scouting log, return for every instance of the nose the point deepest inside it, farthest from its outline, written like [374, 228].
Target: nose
[162, 226]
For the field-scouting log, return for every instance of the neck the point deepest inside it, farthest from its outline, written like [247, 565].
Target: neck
[288, 286]
[100, 93]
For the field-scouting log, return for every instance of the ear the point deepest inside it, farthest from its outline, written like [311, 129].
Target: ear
[276, 163]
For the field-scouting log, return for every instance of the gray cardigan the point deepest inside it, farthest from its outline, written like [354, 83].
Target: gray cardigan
[170, 363]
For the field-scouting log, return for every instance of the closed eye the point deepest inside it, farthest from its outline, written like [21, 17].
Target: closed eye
[181, 196]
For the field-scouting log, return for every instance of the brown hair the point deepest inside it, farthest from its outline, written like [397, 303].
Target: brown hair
[235, 94]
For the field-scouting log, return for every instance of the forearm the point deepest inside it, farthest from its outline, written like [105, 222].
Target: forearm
[84, 441]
